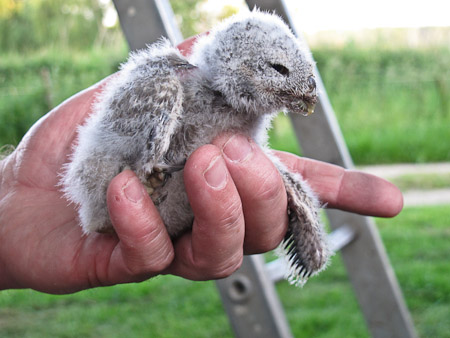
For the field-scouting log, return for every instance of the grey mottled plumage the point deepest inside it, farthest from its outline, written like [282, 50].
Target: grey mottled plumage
[162, 106]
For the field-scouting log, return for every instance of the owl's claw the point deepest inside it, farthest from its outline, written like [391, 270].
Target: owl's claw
[154, 181]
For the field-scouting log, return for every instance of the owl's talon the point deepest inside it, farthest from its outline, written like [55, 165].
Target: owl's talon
[150, 190]
[154, 181]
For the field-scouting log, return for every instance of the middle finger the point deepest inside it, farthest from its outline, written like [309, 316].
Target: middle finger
[261, 189]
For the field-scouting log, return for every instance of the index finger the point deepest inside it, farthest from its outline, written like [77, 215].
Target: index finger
[345, 189]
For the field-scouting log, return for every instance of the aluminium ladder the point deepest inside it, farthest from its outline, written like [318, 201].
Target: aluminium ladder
[249, 295]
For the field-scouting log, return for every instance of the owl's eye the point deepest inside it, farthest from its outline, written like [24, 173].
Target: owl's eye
[280, 69]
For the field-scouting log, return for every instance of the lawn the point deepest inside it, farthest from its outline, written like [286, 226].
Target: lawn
[416, 241]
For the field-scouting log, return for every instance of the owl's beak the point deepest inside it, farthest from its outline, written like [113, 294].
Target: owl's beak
[303, 103]
[311, 103]
[302, 107]
[311, 108]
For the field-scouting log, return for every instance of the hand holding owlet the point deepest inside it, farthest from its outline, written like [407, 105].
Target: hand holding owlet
[162, 106]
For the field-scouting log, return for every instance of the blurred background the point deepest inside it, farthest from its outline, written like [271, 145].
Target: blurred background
[386, 68]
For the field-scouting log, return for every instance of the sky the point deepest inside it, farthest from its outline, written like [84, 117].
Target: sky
[317, 15]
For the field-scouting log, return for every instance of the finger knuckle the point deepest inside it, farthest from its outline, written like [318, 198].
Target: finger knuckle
[227, 268]
[271, 187]
[270, 242]
[140, 267]
[214, 269]
[265, 241]
[148, 257]
[232, 216]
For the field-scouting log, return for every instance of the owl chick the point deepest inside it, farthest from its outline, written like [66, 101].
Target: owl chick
[162, 106]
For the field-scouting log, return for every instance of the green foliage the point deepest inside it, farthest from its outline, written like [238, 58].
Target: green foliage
[282, 135]
[30, 86]
[392, 105]
[188, 16]
[167, 306]
[36, 24]
[193, 20]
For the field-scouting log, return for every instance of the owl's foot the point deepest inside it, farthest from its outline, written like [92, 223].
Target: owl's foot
[305, 244]
[156, 180]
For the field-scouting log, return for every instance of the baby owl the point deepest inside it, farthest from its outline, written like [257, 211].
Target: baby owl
[162, 106]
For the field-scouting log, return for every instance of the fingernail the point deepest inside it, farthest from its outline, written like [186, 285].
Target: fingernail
[216, 174]
[237, 148]
[133, 190]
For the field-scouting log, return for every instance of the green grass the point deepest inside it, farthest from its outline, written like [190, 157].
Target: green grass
[416, 242]
[162, 307]
[422, 181]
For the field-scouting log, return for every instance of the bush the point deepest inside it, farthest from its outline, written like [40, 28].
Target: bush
[32, 85]
[392, 105]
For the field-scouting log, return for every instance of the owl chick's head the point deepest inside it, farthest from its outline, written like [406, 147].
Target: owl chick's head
[258, 65]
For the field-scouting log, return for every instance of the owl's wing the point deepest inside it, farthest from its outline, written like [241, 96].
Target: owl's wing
[146, 106]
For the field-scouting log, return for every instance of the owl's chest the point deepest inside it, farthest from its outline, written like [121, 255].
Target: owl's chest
[169, 194]
[200, 125]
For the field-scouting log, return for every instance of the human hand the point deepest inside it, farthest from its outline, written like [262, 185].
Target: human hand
[346, 189]
[236, 193]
